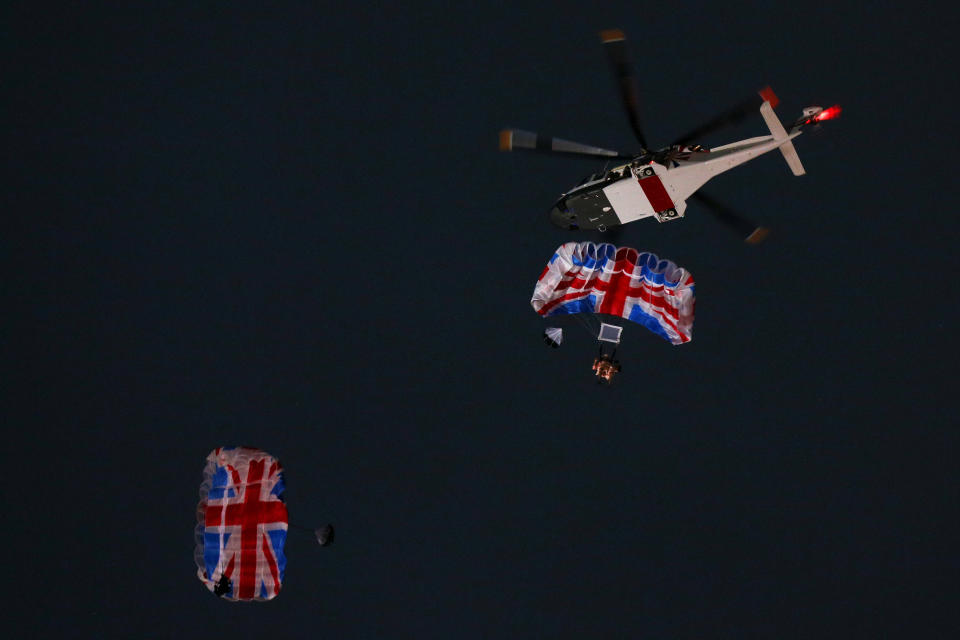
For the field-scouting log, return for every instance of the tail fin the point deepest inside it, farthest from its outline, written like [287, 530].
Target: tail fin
[779, 133]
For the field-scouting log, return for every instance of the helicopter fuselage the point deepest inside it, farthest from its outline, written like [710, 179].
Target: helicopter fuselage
[654, 184]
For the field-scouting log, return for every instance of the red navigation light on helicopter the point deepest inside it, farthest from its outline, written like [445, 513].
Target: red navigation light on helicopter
[828, 114]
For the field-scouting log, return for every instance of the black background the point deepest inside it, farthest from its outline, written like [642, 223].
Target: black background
[287, 225]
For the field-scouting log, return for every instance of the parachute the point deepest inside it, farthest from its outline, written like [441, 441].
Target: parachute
[594, 278]
[241, 524]
[553, 337]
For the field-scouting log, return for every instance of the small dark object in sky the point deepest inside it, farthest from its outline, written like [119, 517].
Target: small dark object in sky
[325, 535]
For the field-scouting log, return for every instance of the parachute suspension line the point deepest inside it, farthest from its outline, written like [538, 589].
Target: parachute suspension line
[300, 529]
[589, 323]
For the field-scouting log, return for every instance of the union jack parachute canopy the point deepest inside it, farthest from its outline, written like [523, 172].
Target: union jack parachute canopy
[241, 524]
[584, 277]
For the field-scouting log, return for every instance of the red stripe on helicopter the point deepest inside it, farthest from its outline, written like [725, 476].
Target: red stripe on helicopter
[656, 193]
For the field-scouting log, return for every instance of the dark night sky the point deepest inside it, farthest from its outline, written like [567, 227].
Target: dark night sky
[288, 226]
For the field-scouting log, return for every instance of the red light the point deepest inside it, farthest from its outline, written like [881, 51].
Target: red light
[828, 114]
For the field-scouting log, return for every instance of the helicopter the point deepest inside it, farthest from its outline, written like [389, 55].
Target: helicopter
[658, 183]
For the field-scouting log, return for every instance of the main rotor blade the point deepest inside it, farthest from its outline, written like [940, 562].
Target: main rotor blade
[748, 230]
[615, 42]
[511, 139]
[731, 116]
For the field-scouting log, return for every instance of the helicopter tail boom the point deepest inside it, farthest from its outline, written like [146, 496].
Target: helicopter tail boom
[780, 134]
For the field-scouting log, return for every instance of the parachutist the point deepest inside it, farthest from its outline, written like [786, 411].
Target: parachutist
[605, 280]
[605, 367]
[222, 587]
